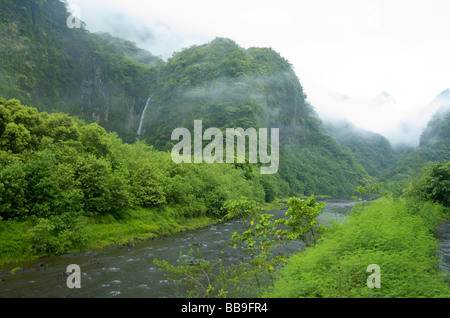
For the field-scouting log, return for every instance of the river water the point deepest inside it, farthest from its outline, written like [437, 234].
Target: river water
[129, 271]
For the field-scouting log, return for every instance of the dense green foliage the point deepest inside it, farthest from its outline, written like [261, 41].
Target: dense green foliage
[433, 185]
[70, 183]
[262, 234]
[388, 234]
[434, 146]
[227, 86]
[59, 173]
[45, 63]
[107, 80]
[398, 236]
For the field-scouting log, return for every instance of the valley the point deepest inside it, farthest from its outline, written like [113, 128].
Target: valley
[104, 146]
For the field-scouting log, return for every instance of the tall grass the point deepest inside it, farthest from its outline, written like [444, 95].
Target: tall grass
[397, 236]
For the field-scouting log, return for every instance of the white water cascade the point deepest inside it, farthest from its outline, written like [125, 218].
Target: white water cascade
[139, 131]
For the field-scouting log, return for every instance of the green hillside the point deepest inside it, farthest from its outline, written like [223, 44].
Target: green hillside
[434, 146]
[58, 175]
[227, 86]
[436, 136]
[373, 151]
[54, 68]
[86, 123]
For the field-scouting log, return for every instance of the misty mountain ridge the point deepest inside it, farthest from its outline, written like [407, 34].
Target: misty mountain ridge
[107, 80]
[99, 80]
[382, 99]
[373, 151]
[226, 86]
[158, 38]
[131, 50]
[379, 156]
[384, 94]
[443, 97]
[373, 113]
[54, 68]
[438, 128]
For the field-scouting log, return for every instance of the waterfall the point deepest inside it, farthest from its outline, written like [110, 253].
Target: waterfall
[139, 131]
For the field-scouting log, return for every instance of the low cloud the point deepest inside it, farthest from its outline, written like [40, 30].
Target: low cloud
[151, 35]
[401, 124]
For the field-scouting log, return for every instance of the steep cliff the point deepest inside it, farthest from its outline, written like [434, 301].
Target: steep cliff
[56, 68]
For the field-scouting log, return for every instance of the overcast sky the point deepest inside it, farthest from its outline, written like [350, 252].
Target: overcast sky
[353, 48]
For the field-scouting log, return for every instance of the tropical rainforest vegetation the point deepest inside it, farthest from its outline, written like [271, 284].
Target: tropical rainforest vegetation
[395, 234]
[74, 174]
[57, 172]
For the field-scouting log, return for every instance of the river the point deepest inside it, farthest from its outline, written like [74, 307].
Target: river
[129, 271]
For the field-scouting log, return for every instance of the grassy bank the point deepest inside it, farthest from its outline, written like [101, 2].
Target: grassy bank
[142, 224]
[397, 236]
[34, 238]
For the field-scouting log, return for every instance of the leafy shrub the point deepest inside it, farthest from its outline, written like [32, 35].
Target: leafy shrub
[433, 185]
[58, 234]
[12, 194]
[147, 187]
